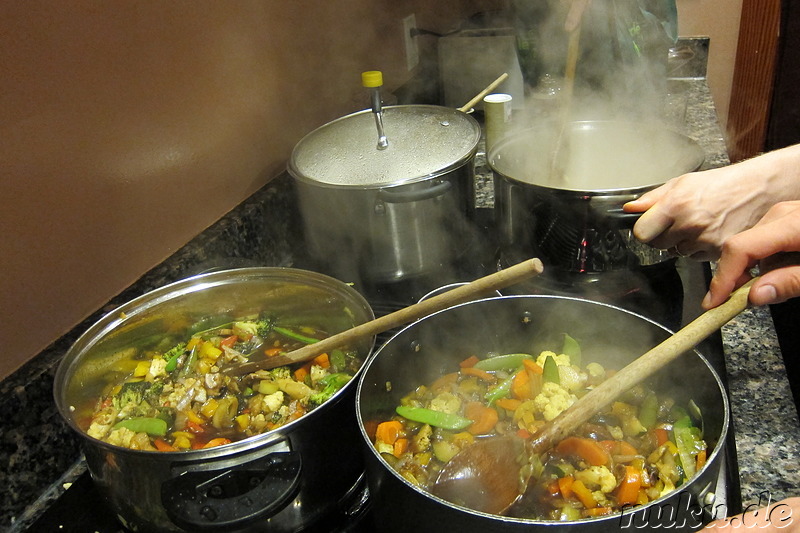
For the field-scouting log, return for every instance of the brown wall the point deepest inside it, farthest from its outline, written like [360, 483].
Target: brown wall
[718, 20]
[129, 127]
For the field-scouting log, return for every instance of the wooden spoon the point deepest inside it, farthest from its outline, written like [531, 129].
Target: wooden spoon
[478, 97]
[492, 282]
[472, 479]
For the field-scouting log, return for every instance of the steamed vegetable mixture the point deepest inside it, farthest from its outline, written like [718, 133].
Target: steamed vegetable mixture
[173, 396]
[638, 449]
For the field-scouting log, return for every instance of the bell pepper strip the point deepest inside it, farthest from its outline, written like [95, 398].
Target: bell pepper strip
[502, 362]
[484, 419]
[598, 511]
[272, 352]
[434, 418]
[510, 404]
[572, 348]
[219, 441]
[583, 494]
[229, 341]
[701, 459]
[648, 411]
[628, 490]
[587, 449]
[550, 370]
[662, 436]
[164, 446]
[152, 426]
[286, 332]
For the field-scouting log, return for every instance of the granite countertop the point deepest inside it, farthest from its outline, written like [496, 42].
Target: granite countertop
[42, 454]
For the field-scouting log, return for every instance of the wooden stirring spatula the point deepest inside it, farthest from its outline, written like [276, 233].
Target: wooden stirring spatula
[477, 476]
[487, 284]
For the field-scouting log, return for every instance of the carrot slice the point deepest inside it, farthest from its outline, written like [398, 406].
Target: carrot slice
[565, 485]
[531, 366]
[508, 403]
[521, 385]
[322, 360]
[469, 362]
[400, 447]
[389, 431]
[477, 372]
[483, 418]
[164, 446]
[219, 441]
[583, 494]
[587, 449]
[628, 490]
[618, 447]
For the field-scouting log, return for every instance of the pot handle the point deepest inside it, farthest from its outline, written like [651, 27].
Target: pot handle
[622, 217]
[392, 197]
[232, 497]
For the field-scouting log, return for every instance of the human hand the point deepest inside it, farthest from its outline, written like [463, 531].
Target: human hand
[576, 9]
[782, 516]
[696, 213]
[773, 244]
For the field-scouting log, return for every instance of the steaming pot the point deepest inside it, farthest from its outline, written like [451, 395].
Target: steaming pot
[434, 346]
[387, 214]
[574, 221]
[279, 481]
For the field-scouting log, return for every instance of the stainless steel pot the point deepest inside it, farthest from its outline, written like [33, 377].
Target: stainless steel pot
[573, 221]
[387, 214]
[434, 345]
[283, 480]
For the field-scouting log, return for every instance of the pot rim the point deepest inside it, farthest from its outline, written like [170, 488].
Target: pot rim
[696, 157]
[712, 458]
[129, 310]
[458, 162]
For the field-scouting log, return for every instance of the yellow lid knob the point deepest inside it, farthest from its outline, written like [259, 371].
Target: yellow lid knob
[372, 78]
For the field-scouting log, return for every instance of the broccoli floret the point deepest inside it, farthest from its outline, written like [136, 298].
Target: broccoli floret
[281, 372]
[264, 326]
[130, 393]
[171, 356]
[332, 383]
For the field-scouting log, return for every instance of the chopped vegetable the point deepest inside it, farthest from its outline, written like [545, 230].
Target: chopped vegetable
[587, 449]
[434, 418]
[151, 426]
[550, 370]
[503, 362]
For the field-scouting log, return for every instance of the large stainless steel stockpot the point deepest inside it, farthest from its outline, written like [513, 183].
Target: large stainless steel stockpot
[387, 214]
[572, 218]
[611, 336]
[284, 480]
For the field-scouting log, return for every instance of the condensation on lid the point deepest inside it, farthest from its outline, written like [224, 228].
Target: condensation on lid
[423, 141]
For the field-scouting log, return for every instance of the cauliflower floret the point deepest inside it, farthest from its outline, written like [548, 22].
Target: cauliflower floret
[596, 370]
[560, 359]
[422, 440]
[446, 402]
[597, 477]
[272, 402]
[158, 367]
[317, 373]
[571, 378]
[553, 400]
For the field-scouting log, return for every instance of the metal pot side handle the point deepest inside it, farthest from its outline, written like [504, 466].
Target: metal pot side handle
[394, 197]
[622, 217]
[233, 497]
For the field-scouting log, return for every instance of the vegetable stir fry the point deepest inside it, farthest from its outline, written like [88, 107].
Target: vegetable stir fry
[177, 399]
[638, 449]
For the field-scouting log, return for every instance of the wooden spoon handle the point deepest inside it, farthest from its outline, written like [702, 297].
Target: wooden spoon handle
[478, 97]
[685, 339]
[492, 282]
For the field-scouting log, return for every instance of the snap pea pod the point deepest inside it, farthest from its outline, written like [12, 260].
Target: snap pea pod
[572, 348]
[152, 426]
[294, 335]
[502, 390]
[550, 370]
[434, 418]
[502, 362]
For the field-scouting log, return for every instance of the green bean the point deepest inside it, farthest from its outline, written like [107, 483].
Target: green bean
[151, 426]
[434, 418]
[502, 362]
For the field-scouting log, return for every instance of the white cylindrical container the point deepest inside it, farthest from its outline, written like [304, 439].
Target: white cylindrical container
[497, 113]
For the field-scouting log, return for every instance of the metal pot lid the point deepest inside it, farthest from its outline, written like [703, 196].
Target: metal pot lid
[424, 141]
[603, 157]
